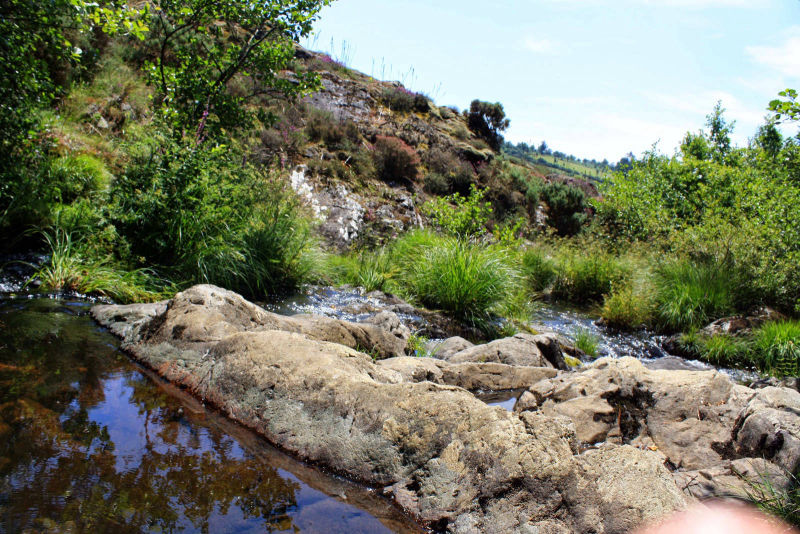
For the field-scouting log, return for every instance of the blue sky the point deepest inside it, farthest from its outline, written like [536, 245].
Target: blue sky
[594, 78]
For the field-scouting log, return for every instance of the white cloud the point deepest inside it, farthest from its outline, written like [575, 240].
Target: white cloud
[538, 46]
[784, 58]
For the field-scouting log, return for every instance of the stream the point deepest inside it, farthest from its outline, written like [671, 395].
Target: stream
[91, 441]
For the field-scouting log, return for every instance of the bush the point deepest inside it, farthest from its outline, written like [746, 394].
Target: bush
[487, 120]
[777, 348]
[322, 126]
[466, 219]
[567, 207]
[395, 160]
[691, 293]
[32, 198]
[538, 269]
[584, 277]
[464, 279]
[402, 100]
[202, 216]
[436, 184]
[459, 175]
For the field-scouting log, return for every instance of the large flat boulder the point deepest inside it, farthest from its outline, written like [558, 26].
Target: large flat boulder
[442, 454]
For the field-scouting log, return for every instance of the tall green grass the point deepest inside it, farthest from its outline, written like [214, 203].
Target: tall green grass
[587, 342]
[691, 293]
[776, 347]
[538, 269]
[66, 269]
[628, 308]
[584, 277]
[462, 278]
[372, 270]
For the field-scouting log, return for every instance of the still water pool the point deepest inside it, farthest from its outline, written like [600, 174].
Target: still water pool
[91, 442]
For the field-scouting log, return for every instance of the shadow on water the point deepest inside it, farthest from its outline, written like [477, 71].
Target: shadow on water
[89, 442]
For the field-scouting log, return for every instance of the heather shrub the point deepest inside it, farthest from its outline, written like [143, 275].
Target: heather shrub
[395, 160]
[403, 100]
[323, 126]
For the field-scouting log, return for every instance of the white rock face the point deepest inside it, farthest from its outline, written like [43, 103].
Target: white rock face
[305, 191]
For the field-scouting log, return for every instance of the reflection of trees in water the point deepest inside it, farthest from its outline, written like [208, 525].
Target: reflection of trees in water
[62, 466]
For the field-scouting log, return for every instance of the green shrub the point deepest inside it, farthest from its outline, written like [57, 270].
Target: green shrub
[691, 293]
[487, 120]
[395, 160]
[78, 176]
[45, 188]
[402, 100]
[466, 219]
[202, 216]
[436, 184]
[627, 309]
[464, 279]
[587, 342]
[538, 269]
[567, 207]
[584, 277]
[776, 348]
[322, 126]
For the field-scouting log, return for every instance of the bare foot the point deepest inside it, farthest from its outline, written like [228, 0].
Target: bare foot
[720, 518]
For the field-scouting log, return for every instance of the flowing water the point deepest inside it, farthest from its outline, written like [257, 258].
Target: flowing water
[91, 442]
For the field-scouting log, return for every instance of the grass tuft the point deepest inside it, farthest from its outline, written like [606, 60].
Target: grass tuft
[692, 294]
[587, 342]
[776, 348]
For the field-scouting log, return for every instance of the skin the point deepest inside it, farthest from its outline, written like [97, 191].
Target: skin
[720, 518]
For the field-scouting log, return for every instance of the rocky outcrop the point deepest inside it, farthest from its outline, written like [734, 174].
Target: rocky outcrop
[471, 376]
[445, 456]
[541, 350]
[208, 314]
[445, 349]
[707, 427]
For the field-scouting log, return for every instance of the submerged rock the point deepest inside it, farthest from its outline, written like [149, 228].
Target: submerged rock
[445, 456]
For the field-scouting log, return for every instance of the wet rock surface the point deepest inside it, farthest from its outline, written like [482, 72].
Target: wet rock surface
[707, 427]
[445, 456]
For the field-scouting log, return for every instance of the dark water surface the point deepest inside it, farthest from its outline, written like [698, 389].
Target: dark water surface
[90, 442]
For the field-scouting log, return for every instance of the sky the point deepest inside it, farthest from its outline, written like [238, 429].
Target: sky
[593, 78]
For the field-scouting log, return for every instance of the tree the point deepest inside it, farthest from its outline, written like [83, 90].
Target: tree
[788, 108]
[543, 149]
[37, 40]
[206, 46]
[487, 120]
[720, 131]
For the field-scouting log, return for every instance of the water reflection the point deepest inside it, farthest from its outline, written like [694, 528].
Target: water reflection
[89, 443]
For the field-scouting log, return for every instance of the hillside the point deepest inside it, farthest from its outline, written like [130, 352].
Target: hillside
[348, 134]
